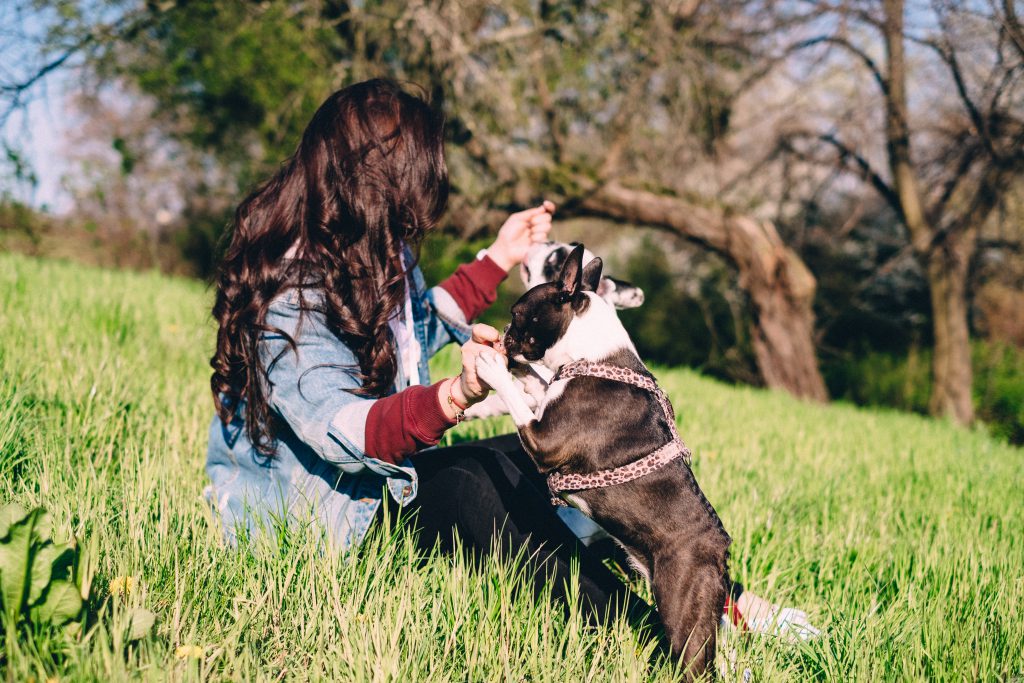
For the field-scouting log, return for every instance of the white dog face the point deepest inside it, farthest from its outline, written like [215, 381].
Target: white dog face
[544, 262]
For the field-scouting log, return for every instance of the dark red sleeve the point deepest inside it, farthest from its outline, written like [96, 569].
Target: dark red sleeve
[403, 423]
[474, 286]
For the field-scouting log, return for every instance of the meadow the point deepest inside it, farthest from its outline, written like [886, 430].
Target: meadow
[901, 536]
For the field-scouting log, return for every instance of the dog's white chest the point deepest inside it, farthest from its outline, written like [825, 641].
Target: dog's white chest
[552, 393]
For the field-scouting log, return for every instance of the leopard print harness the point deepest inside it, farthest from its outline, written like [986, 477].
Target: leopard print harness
[559, 482]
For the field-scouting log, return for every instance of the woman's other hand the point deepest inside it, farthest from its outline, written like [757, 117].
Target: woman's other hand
[467, 388]
[520, 231]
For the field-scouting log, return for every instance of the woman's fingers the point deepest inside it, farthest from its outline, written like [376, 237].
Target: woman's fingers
[540, 228]
[470, 382]
[474, 388]
[528, 214]
[546, 208]
[540, 224]
[485, 334]
[541, 220]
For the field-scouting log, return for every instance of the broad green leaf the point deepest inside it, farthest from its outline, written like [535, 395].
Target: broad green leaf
[44, 525]
[11, 513]
[141, 621]
[40, 569]
[50, 562]
[60, 604]
[14, 563]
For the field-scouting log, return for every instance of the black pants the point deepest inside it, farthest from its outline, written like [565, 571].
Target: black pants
[490, 493]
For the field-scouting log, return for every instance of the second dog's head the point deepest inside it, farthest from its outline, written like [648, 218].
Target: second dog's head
[565, 318]
[544, 262]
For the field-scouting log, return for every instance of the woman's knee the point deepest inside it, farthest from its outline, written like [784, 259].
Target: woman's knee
[460, 483]
[459, 496]
[463, 468]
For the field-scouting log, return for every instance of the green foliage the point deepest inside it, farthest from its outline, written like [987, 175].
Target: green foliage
[240, 72]
[869, 296]
[200, 241]
[904, 382]
[37, 574]
[674, 327]
[20, 221]
[882, 379]
[900, 535]
[15, 170]
[999, 389]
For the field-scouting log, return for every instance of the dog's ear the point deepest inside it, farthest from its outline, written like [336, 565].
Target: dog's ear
[592, 274]
[620, 294]
[553, 263]
[570, 280]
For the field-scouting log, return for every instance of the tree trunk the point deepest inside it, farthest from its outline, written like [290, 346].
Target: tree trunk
[952, 375]
[946, 260]
[780, 286]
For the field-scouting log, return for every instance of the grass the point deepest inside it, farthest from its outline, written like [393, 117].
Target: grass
[901, 536]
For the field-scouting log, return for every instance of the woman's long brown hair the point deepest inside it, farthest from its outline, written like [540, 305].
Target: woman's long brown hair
[368, 177]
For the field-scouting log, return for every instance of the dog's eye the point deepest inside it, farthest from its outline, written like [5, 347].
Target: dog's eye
[536, 319]
[533, 340]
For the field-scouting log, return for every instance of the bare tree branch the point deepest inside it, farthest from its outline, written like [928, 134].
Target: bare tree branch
[1012, 25]
[980, 122]
[874, 177]
[864, 57]
[14, 93]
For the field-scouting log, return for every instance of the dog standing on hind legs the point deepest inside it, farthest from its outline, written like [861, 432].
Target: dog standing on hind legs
[605, 435]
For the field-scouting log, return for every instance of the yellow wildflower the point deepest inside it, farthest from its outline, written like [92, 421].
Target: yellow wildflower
[185, 651]
[122, 586]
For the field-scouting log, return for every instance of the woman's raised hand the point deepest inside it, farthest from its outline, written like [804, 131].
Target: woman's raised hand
[520, 231]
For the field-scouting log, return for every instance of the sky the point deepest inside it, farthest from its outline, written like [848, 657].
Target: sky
[39, 132]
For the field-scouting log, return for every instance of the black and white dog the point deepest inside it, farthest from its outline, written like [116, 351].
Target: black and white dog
[543, 263]
[601, 432]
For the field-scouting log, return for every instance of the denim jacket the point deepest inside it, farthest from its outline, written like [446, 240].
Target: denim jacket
[319, 471]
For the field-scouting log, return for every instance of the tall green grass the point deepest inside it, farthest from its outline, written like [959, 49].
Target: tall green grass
[901, 536]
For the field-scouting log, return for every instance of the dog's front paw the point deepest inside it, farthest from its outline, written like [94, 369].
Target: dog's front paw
[491, 368]
[489, 407]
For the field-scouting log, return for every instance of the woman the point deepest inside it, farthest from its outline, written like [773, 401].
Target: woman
[320, 378]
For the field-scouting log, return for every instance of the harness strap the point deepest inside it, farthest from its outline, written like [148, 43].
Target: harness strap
[674, 449]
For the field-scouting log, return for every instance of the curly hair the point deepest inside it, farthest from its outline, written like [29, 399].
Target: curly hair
[368, 177]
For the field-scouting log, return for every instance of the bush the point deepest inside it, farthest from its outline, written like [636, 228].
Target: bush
[999, 389]
[904, 382]
[21, 225]
[686, 318]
